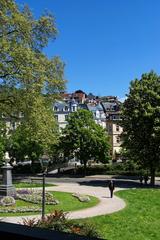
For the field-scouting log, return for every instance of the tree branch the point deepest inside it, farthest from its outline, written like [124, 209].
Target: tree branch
[10, 32]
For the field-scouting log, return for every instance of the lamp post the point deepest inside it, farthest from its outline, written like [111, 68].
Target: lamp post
[44, 164]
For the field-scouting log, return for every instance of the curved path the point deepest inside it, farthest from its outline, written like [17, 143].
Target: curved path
[106, 205]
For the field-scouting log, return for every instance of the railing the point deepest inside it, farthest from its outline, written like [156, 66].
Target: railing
[20, 232]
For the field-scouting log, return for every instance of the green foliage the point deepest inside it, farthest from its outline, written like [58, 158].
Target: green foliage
[57, 221]
[84, 138]
[36, 134]
[141, 122]
[22, 39]
[29, 80]
[127, 168]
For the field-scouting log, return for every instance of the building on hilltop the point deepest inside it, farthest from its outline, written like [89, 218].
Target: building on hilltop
[113, 116]
[79, 96]
[106, 112]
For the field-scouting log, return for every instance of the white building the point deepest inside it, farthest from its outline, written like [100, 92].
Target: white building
[98, 113]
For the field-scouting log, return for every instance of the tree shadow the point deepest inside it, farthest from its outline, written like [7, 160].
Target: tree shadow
[118, 183]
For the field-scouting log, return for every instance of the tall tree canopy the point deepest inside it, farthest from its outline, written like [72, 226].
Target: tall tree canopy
[141, 122]
[23, 65]
[83, 137]
[29, 80]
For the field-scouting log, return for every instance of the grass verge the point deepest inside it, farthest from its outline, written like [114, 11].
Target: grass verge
[140, 220]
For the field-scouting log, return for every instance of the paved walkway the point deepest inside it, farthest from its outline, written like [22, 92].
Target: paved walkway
[106, 205]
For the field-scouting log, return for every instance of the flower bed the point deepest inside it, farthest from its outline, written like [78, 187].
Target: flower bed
[36, 197]
[20, 209]
[7, 201]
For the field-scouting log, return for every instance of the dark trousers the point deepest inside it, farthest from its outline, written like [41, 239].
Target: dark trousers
[111, 193]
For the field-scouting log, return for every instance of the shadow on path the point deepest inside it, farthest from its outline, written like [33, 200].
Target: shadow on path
[118, 183]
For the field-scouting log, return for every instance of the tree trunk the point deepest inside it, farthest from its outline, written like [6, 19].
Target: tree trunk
[152, 176]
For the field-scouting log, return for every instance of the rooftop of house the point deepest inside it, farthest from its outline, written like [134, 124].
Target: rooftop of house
[95, 107]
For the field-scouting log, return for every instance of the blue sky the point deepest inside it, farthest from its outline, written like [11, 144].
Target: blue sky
[104, 43]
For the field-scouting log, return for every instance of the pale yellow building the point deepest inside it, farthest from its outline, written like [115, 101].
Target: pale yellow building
[113, 118]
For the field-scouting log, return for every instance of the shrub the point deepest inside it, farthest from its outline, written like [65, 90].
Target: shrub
[58, 221]
[22, 168]
[124, 168]
[86, 229]
[54, 221]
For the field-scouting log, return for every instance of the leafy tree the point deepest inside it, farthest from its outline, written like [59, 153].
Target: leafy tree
[141, 122]
[36, 134]
[23, 65]
[83, 137]
[29, 80]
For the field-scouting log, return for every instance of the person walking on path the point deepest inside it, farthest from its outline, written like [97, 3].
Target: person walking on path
[111, 188]
[146, 178]
[141, 179]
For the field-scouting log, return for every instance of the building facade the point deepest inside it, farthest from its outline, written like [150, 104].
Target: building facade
[98, 113]
[106, 113]
[112, 109]
[62, 109]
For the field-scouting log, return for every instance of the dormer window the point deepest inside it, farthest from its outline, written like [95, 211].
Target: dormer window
[55, 108]
[66, 108]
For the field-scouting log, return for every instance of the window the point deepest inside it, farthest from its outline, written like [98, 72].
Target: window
[74, 108]
[66, 108]
[56, 117]
[13, 125]
[66, 117]
[118, 139]
[21, 114]
[117, 128]
[55, 108]
[3, 115]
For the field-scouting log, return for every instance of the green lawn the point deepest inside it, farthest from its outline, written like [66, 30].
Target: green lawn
[67, 203]
[140, 220]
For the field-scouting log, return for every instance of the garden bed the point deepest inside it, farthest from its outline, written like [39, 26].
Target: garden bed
[66, 203]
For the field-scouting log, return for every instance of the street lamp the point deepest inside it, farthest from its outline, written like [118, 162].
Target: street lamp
[44, 164]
